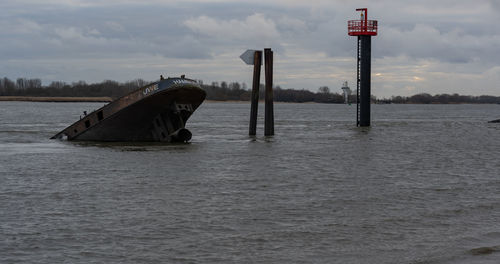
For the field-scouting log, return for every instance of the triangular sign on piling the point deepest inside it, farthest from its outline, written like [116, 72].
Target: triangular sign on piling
[248, 57]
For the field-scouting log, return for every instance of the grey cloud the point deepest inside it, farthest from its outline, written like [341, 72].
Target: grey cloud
[186, 47]
[495, 4]
[94, 32]
[425, 41]
[449, 32]
[255, 30]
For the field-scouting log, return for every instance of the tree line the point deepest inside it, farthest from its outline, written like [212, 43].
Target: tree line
[239, 92]
[425, 98]
[33, 87]
[222, 91]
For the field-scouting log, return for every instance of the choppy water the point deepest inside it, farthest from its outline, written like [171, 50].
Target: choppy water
[422, 185]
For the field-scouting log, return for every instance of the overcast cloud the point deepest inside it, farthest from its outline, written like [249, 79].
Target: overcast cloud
[423, 46]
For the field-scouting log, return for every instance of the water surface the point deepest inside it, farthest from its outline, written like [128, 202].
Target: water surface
[420, 186]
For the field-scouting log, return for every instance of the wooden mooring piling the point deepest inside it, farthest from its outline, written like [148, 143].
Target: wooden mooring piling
[254, 57]
[257, 57]
[269, 111]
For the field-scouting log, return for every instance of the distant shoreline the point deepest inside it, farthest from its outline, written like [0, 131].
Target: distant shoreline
[109, 99]
[97, 99]
[55, 99]
[261, 101]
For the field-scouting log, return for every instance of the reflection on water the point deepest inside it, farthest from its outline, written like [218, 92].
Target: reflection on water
[419, 186]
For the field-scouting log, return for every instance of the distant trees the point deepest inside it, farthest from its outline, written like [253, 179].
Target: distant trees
[33, 87]
[225, 92]
[324, 90]
[425, 98]
[7, 86]
[23, 83]
[221, 92]
[301, 96]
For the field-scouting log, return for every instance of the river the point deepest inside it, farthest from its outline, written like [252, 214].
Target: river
[421, 185]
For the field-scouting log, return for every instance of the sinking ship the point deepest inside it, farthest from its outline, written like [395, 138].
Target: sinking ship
[156, 112]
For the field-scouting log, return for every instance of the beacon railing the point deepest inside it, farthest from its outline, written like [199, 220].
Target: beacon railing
[362, 27]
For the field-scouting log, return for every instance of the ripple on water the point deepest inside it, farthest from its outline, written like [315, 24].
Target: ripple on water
[419, 186]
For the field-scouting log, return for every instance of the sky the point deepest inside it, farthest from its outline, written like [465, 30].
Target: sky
[423, 46]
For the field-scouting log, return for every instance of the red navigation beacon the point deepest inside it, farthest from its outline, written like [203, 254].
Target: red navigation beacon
[362, 27]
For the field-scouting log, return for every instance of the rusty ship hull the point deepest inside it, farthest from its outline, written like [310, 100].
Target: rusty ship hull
[156, 112]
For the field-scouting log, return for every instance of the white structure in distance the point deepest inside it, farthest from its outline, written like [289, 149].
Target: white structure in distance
[346, 91]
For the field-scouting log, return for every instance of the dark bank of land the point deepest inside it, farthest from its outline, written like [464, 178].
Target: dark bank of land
[23, 89]
[55, 99]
